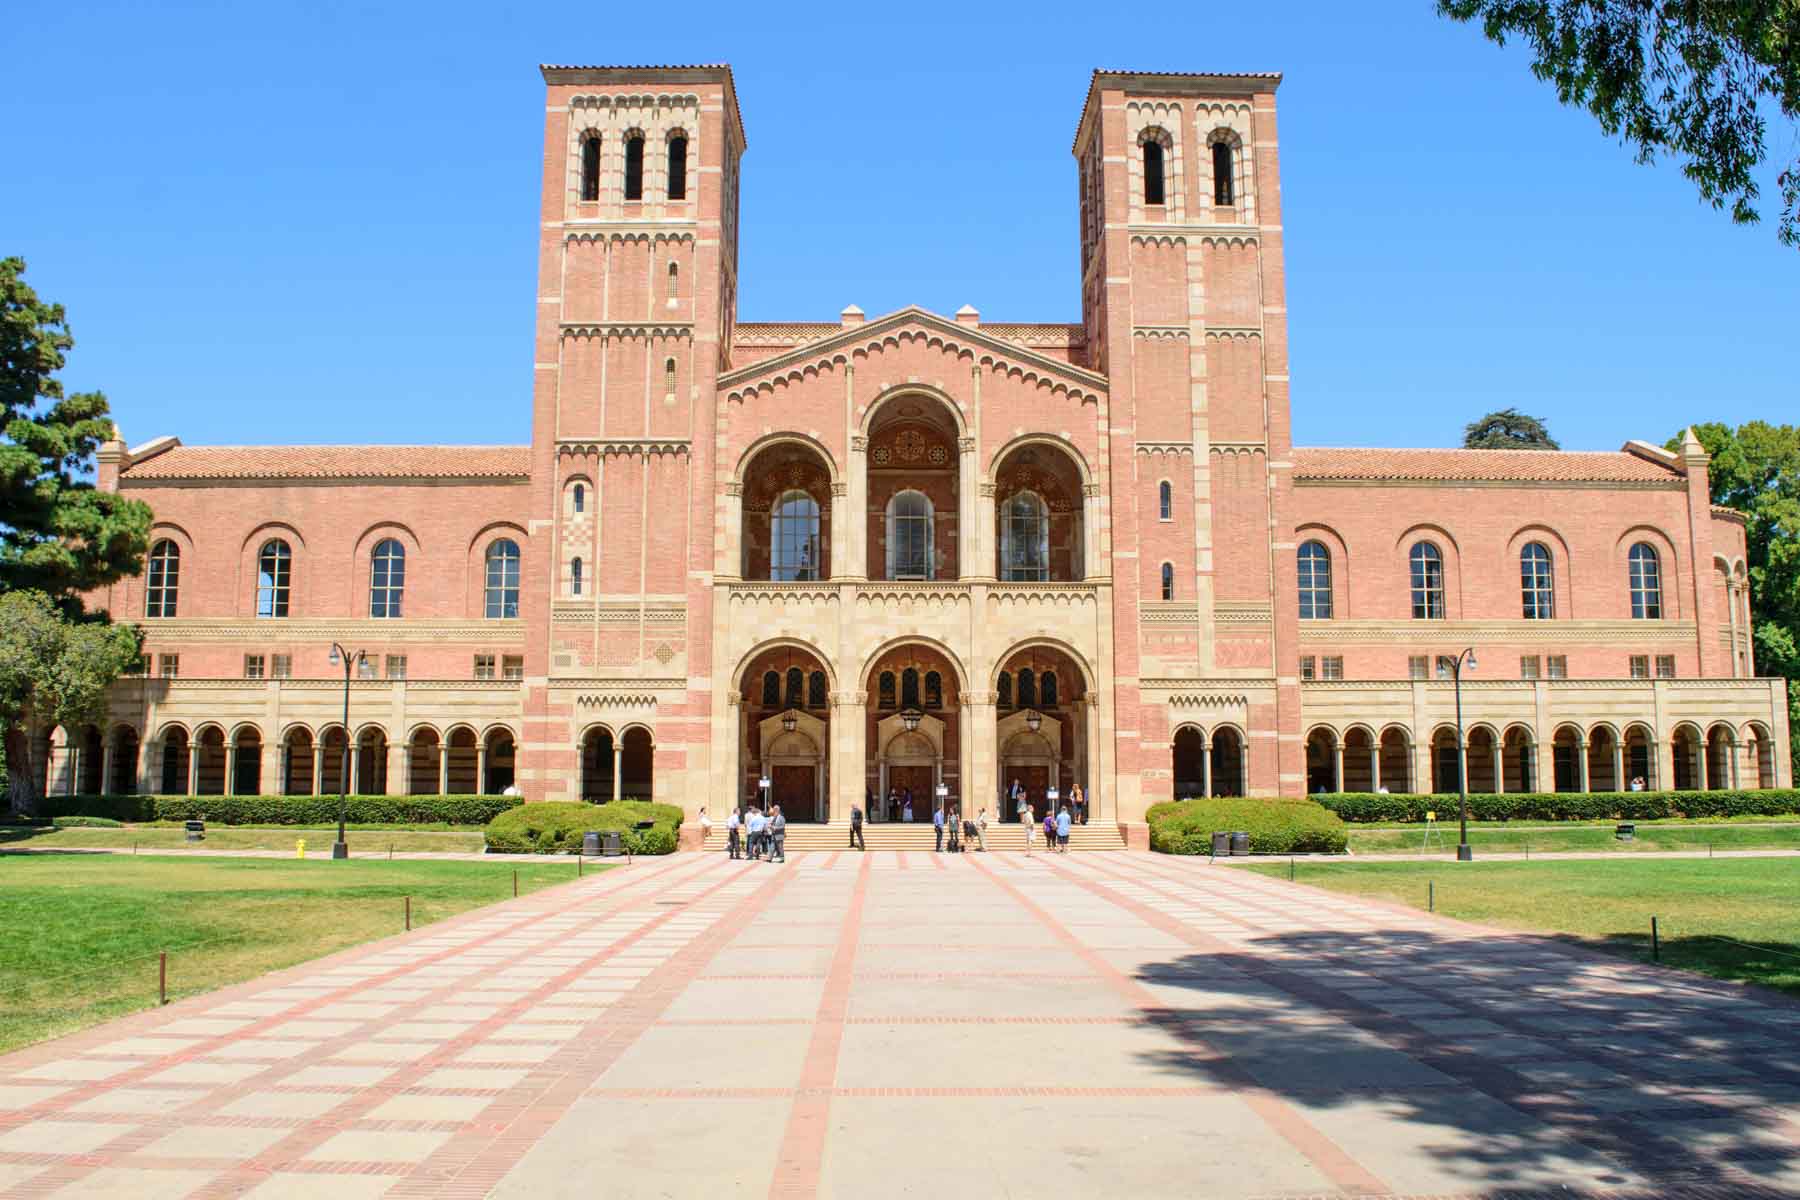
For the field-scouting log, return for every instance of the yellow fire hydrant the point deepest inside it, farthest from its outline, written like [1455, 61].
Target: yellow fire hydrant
[300, 848]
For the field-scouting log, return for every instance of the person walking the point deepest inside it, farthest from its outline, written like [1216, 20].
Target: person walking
[937, 820]
[705, 826]
[856, 820]
[1049, 830]
[981, 831]
[777, 836]
[1062, 831]
[734, 828]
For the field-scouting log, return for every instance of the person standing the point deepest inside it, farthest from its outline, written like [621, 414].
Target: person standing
[856, 820]
[953, 820]
[1049, 830]
[937, 821]
[734, 828]
[1078, 800]
[1029, 826]
[777, 836]
[981, 831]
[1062, 831]
[705, 826]
[756, 833]
[906, 813]
[1016, 793]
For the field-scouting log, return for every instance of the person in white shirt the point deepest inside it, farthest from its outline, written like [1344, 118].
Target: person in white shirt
[733, 833]
[757, 824]
[906, 813]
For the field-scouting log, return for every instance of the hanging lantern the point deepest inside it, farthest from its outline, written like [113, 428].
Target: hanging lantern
[789, 722]
[910, 718]
[1034, 720]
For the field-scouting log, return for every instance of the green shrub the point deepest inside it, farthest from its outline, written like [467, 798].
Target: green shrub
[1365, 807]
[285, 810]
[555, 827]
[1275, 826]
[86, 823]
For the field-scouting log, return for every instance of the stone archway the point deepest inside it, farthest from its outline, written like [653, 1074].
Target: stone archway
[913, 688]
[793, 761]
[782, 713]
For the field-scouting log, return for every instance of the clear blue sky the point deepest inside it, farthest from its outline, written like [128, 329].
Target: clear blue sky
[315, 223]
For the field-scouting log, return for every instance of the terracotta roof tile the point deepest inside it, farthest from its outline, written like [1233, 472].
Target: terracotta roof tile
[334, 462]
[1506, 466]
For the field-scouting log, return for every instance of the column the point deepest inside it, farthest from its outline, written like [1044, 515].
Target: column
[106, 766]
[971, 539]
[1581, 766]
[1653, 752]
[318, 780]
[1664, 754]
[848, 715]
[270, 779]
[1337, 765]
[355, 770]
[1375, 767]
[1097, 804]
[443, 768]
[193, 787]
[399, 772]
[1733, 751]
[1421, 766]
[1500, 766]
[1700, 749]
[1731, 605]
[618, 765]
[983, 753]
[73, 763]
[1205, 766]
[1619, 781]
[481, 770]
[231, 761]
[856, 529]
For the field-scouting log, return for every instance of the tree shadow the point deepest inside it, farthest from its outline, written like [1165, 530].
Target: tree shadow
[1516, 1062]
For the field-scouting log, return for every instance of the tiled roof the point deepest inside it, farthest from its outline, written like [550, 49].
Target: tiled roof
[1216, 78]
[334, 462]
[1506, 466]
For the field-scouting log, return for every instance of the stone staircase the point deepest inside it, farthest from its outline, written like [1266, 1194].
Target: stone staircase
[919, 836]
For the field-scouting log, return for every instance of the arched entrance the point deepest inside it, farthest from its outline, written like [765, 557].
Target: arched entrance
[1321, 762]
[1188, 760]
[784, 725]
[1044, 733]
[1640, 758]
[334, 766]
[498, 767]
[1567, 758]
[1518, 760]
[124, 779]
[210, 776]
[1484, 760]
[1396, 761]
[1360, 767]
[176, 761]
[913, 731]
[637, 764]
[1227, 761]
[462, 762]
[297, 762]
[599, 765]
[368, 772]
[1721, 757]
[1684, 752]
[1761, 755]
[246, 762]
[424, 763]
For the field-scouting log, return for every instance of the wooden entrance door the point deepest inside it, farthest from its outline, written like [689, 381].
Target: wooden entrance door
[1036, 781]
[792, 787]
[921, 781]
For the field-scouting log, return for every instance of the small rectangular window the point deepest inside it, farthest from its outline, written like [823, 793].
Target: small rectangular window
[168, 665]
[365, 667]
[512, 667]
[1530, 666]
[1418, 666]
[1665, 666]
[281, 666]
[1640, 666]
[253, 666]
[1308, 667]
[1559, 666]
[396, 666]
[1331, 667]
[484, 666]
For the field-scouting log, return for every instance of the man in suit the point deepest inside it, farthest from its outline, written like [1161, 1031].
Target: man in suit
[777, 835]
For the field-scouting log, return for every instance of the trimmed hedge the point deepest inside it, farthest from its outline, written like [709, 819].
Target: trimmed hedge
[285, 810]
[1363, 807]
[556, 826]
[86, 823]
[1274, 826]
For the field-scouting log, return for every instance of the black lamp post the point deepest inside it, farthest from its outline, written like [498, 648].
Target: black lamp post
[1464, 853]
[341, 848]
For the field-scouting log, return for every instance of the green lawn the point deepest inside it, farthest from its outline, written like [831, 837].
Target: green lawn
[241, 837]
[1697, 902]
[1514, 839]
[84, 931]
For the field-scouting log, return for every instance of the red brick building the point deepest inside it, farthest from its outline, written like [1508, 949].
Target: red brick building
[871, 556]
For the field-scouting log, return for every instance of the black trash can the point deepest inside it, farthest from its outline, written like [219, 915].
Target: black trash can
[196, 830]
[1240, 842]
[590, 843]
[1221, 845]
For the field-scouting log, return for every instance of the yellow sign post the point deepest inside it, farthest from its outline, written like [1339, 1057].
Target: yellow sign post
[300, 848]
[1430, 828]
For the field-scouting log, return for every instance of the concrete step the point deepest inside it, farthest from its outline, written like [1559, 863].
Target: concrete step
[836, 836]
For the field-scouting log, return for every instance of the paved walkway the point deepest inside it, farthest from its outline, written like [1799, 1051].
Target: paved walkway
[914, 1025]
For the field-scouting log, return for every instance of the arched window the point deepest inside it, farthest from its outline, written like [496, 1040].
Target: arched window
[796, 688]
[274, 567]
[815, 690]
[794, 538]
[1165, 501]
[1315, 582]
[1537, 582]
[1153, 172]
[674, 280]
[909, 547]
[634, 167]
[1003, 693]
[1168, 581]
[1047, 689]
[668, 377]
[909, 688]
[884, 690]
[934, 690]
[1224, 189]
[590, 167]
[387, 578]
[1024, 538]
[771, 689]
[1027, 688]
[1427, 582]
[503, 578]
[162, 580]
[575, 577]
[1646, 582]
[678, 168]
[578, 497]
